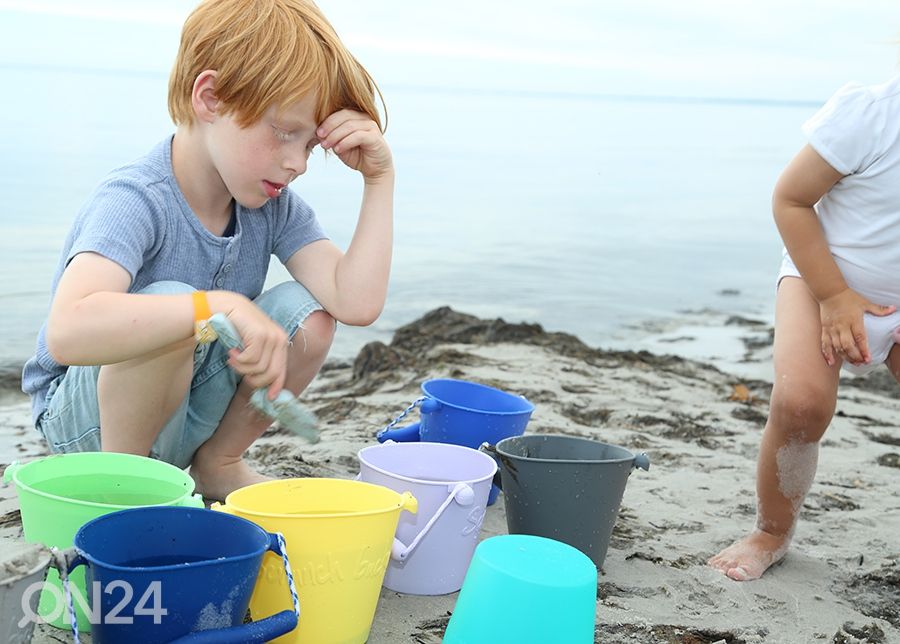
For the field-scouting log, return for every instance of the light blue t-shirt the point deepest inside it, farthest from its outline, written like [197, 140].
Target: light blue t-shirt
[139, 218]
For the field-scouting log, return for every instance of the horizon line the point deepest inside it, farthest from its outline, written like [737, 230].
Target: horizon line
[499, 91]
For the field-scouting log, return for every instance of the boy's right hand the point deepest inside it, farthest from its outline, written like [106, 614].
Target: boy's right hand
[263, 360]
[843, 331]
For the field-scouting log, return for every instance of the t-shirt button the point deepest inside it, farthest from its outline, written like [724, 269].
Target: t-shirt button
[226, 268]
[220, 282]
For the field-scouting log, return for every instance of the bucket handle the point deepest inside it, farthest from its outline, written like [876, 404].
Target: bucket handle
[491, 450]
[462, 493]
[10, 471]
[641, 461]
[193, 501]
[410, 433]
[66, 561]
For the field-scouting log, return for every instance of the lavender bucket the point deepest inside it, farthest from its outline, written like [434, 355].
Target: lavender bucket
[433, 548]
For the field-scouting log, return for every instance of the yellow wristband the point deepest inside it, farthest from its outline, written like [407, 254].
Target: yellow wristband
[203, 332]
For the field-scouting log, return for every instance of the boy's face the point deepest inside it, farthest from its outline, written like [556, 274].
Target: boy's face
[257, 162]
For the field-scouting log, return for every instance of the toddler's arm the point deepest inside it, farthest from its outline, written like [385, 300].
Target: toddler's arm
[807, 179]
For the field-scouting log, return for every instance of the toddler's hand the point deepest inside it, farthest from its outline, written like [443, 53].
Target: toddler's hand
[263, 360]
[843, 332]
[357, 141]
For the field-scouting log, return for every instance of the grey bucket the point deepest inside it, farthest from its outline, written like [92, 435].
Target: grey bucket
[21, 566]
[564, 488]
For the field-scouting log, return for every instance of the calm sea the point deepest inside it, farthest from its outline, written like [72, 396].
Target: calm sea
[586, 213]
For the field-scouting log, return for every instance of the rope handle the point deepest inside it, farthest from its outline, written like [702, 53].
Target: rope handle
[287, 571]
[62, 564]
[403, 414]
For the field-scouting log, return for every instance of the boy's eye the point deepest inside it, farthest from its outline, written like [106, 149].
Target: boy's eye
[282, 135]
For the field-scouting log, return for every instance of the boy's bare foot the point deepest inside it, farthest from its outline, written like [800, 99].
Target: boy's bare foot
[750, 557]
[216, 480]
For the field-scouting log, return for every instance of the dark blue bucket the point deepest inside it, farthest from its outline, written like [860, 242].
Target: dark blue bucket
[170, 574]
[463, 413]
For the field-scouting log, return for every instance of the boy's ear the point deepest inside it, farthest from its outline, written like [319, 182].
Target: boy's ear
[203, 97]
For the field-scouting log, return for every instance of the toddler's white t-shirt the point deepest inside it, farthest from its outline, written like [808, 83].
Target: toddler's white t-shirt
[858, 133]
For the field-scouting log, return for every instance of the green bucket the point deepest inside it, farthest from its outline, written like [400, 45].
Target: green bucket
[60, 493]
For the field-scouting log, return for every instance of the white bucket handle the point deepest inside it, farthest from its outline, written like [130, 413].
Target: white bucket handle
[461, 493]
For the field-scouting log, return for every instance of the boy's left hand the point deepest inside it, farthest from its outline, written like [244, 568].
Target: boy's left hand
[357, 141]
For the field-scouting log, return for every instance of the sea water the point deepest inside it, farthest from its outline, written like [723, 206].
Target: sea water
[585, 214]
[546, 195]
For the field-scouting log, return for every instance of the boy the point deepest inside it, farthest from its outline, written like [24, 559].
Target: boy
[187, 231]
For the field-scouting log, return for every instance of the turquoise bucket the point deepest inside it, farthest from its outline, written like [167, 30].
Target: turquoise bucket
[524, 589]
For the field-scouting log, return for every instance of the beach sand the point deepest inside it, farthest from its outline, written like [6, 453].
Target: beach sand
[700, 427]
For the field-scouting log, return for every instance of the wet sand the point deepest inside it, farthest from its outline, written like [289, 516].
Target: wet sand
[700, 426]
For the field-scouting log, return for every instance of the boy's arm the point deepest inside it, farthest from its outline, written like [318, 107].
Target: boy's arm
[807, 178]
[352, 286]
[94, 321]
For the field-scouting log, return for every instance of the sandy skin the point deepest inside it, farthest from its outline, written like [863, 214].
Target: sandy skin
[750, 557]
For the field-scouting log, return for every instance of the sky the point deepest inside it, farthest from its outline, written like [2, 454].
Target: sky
[779, 50]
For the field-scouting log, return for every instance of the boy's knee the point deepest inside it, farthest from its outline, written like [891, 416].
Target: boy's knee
[315, 335]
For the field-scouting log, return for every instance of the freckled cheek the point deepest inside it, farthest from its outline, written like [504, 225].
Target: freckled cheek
[256, 157]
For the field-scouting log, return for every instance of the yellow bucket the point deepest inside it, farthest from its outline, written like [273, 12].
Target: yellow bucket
[339, 535]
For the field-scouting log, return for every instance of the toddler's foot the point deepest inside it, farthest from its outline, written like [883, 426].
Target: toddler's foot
[750, 557]
[216, 480]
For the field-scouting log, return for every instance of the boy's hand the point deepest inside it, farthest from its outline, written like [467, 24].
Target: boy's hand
[843, 332]
[263, 361]
[357, 141]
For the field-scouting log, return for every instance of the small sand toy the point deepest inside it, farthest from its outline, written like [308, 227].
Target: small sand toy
[451, 483]
[339, 537]
[463, 413]
[61, 492]
[289, 412]
[21, 566]
[564, 488]
[525, 589]
[178, 575]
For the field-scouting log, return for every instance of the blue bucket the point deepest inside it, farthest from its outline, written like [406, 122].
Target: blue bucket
[462, 413]
[169, 574]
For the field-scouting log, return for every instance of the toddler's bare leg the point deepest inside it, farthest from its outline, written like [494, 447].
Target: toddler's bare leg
[893, 361]
[218, 467]
[137, 397]
[802, 405]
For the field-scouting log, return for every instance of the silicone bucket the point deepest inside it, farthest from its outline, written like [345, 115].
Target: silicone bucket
[527, 590]
[170, 574]
[339, 535]
[21, 567]
[60, 493]
[433, 548]
[463, 413]
[565, 488]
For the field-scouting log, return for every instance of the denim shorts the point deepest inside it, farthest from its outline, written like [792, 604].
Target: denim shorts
[71, 422]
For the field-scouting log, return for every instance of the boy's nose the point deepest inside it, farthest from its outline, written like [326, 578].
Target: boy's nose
[295, 157]
[295, 164]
